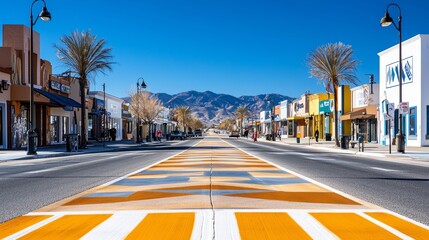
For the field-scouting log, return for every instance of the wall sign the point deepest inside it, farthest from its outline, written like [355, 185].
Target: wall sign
[65, 88]
[325, 106]
[60, 87]
[392, 72]
[55, 85]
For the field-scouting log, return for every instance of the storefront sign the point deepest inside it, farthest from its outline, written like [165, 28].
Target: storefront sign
[60, 87]
[392, 73]
[65, 88]
[56, 85]
[325, 106]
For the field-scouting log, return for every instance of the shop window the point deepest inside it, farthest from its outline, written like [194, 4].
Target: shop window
[427, 122]
[65, 125]
[386, 127]
[1, 125]
[54, 129]
[412, 124]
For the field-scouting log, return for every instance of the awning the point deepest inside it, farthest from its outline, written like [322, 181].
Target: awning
[65, 102]
[360, 113]
[295, 118]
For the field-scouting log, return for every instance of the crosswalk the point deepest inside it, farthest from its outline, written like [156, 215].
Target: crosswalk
[212, 191]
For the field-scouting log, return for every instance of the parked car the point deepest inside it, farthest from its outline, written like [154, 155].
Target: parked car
[176, 135]
[234, 134]
[191, 134]
[198, 132]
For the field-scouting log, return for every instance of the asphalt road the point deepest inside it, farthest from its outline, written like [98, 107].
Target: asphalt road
[399, 187]
[27, 185]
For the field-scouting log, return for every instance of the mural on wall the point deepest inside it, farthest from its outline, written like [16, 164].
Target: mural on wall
[392, 72]
[19, 129]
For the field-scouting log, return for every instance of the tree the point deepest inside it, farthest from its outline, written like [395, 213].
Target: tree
[196, 123]
[86, 56]
[240, 114]
[182, 115]
[227, 124]
[147, 107]
[333, 64]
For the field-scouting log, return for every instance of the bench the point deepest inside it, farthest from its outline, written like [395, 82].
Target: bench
[353, 143]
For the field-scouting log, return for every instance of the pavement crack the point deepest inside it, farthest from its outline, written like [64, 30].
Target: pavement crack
[211, 197]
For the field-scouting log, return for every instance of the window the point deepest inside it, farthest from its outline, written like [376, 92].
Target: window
[427, 122]
[54, 129]
[412, 126]
[386, 127]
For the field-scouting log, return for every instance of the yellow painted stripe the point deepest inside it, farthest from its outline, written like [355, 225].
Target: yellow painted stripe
[269, 226]
[352, 226]
[401, 225]
[20, 223]
[67, 227]
[164, 226]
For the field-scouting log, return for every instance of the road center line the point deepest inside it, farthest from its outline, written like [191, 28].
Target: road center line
[384, 169]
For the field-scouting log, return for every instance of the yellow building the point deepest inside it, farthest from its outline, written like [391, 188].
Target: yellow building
[320, 105]
[344, 106]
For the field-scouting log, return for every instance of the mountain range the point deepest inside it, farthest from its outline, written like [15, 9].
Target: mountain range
[211, 108]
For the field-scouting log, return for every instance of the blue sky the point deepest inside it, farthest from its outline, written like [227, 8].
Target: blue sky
[225, 46]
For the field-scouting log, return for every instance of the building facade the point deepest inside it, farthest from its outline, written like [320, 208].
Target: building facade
[55, 97]
[415, 84]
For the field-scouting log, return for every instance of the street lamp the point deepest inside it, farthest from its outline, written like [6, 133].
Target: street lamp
[139, 87]
[45, 15]
[386, 21]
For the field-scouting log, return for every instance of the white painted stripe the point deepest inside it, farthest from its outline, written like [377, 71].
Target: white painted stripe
[76, 164]
[32, 228]
[117, 226]
[203, 226]
[312, 226]
[384, 169]
[387, 227]
[226, 225]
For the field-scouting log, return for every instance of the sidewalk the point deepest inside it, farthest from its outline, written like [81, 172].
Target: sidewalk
[60, 150]
[370, 149]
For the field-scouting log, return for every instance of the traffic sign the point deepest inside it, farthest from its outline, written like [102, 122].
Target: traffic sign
[403, 107]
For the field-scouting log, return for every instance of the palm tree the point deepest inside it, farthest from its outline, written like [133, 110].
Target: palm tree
[182, 115]
[333, 64]
[85, 55]
[241, 113]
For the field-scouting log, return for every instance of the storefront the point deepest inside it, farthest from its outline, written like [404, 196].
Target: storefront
[105, 117]
[284, 114]
[298, 125]
[415, 84]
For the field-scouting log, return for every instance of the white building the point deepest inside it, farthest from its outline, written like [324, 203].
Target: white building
[113, 110]
[415, 86]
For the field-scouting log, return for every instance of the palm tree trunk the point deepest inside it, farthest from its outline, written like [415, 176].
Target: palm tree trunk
[83, 114]
[337, 142]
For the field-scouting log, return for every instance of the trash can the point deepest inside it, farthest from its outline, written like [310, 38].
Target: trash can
[298, 140]
[268, 137]
[112, 133]
[328, 137]
[345, 142]
[71, 142]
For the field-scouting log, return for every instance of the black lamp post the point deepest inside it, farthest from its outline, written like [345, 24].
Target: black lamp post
[45, 15]
[139, 87]
[386, 21]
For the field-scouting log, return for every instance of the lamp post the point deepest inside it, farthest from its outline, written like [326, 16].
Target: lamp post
[386, 21]
[45, 15]
[139, 87]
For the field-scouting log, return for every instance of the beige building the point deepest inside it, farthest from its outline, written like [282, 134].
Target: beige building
[56, 98]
